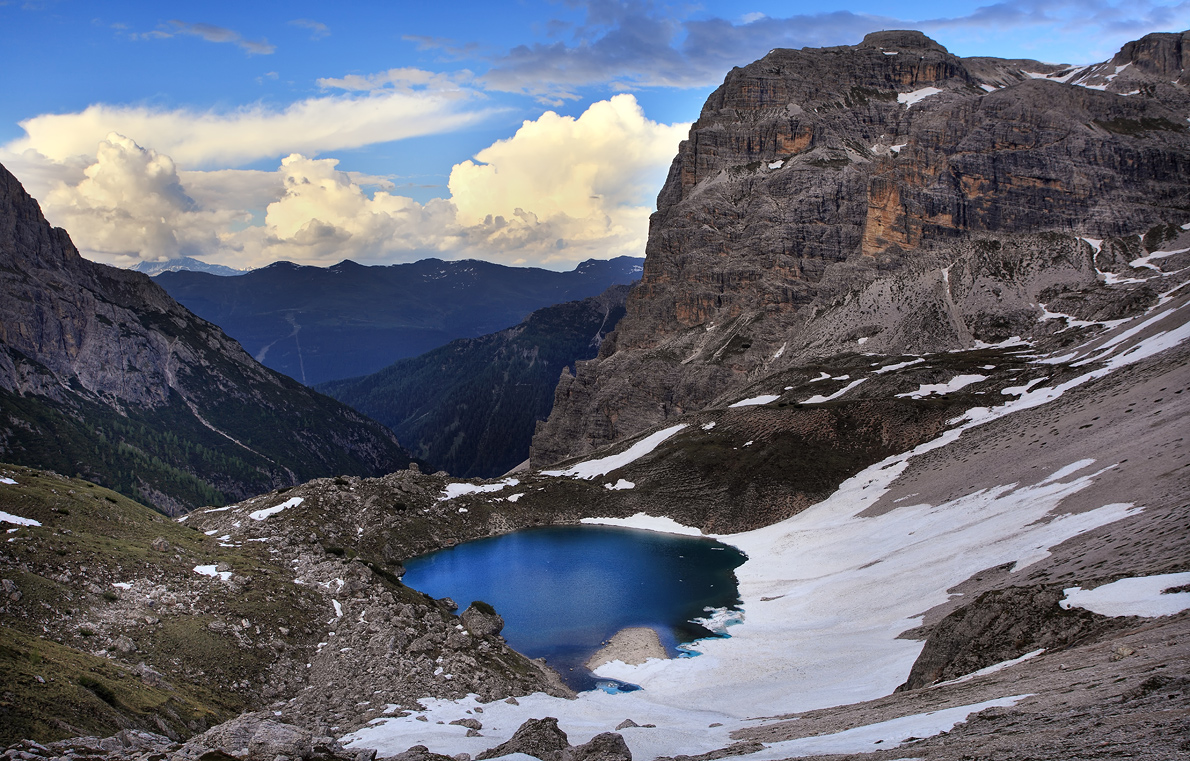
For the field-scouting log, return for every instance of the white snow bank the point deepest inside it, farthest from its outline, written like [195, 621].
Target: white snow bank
[899, 365]
[620, 485]
[604, 465]
[822, 377]
[647, 522]
[122, 585]
[907, 99]
[819, 398]
[762, 399]
[17, 520]
[777, 164]
[7, 480]
[338, 608]
[209, 570]
[1137, 596]
[954, 384]
[881, 736]
[708, 426]
[217, 510]
[457, 490]
[260, 515]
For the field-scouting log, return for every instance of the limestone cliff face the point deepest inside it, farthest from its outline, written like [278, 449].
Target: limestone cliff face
[104, 375]
[887, 194]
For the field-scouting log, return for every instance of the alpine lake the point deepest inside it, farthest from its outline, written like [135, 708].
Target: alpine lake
[563, 591]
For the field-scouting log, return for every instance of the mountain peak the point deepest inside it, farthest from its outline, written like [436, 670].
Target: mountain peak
[901, 38]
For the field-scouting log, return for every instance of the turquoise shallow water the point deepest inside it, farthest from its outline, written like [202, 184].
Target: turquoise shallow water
[564, 590]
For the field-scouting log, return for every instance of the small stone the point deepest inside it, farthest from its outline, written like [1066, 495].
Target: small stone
[160, 544]
[626, 723]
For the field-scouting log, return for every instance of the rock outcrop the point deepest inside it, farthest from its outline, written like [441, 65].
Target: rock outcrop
[102, 374]
[887, 195]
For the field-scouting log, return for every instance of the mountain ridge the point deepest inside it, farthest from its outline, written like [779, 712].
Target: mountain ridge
[318, 324]
[816, 180]
[103, 374]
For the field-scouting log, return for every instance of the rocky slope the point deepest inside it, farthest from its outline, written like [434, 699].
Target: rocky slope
[102, 374]
[318, 324]
[115, 618]
[887, 195]
[470, 407]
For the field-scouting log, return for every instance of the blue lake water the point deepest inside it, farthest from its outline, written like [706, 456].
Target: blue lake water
[564, 590]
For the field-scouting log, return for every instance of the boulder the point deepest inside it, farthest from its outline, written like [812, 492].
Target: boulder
[540, 738]
[482, 620]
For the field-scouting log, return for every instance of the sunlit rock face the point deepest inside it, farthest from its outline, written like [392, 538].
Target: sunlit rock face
[888, 191]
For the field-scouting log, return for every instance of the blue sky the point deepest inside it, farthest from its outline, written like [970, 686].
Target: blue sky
[523, 132]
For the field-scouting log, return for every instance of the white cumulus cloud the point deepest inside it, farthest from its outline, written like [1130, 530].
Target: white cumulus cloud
[560, 190]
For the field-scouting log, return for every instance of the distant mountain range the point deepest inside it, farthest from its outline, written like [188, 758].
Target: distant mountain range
[319, 324]
[470, 407]
[185, 263]
[104, 376]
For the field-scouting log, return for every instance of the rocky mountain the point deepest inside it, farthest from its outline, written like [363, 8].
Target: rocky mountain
[103, 375]
[946, 429]
[470, 407]
[318, 324]
[885, 197]
[184, 263]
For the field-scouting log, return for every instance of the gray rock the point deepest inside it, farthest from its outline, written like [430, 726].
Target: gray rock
[482, 620]
[418, 753]
[787, 207]
[540, 738]
[607, 746]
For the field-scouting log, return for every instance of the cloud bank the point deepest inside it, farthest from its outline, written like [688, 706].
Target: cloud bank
[560, 190]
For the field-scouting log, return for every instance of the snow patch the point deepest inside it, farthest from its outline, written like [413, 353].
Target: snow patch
[457, 490]
[777, 164]
[260, 515]
[819, 398]
[990, 669]
[620, 485]
[10, 482]
[756, 400]
[881, 736]
[122, 585]
[646, 522]
[708, 426]
[1136, 596]
[899, 365]
[909, 98]
[604, 465]
[209, 570]
[954, 384]
[17, 520]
